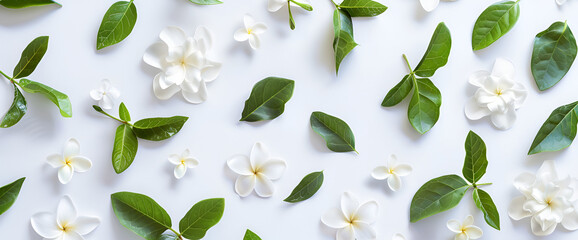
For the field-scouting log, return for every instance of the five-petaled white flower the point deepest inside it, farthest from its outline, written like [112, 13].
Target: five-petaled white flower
[398, 236]
[547, 199]
[105, 94]
[275, 5]
[250, 31]
[466, 230]
[353, 220]
[498, 95]
[183, 63]
[69, 162]
[392, 172]
[65, 225]
[256, 172]
[183, 162]
[430, 5]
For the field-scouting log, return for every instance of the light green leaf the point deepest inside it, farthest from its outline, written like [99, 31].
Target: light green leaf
[30, 57]
[558, 131]
[437, 195]
[476, 162]
[206, 2]
[123, 113]
[308, 186]
[202, 216]
[362, 8]
[16, 110]
[117, 24]
[58, 98]
[343, 41]
[250, 235]
[125, 148]
[9, 193]
[485, 203]
[169, 236]
[157, 129]
[336, 132]
[267, 99]
[140, 214]
[437, 52]
[494, 22]
[25, 3]
[302, 5]
[424, 107]
[399, 92]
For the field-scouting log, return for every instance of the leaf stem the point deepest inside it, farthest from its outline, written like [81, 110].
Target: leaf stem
[407, 62]
[291, 20]
[336, 5]
[178, 234]
[482, 184]
[98, 109]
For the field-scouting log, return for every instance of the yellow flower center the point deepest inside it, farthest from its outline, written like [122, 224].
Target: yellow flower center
[67, 161]
[65, 228]
[463, 230]
[499, 91]
[390, 171]
[183, 161]
[249, 30]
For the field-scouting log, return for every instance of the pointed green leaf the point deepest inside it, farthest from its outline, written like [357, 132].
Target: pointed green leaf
[424, 107]
[494, 22]
[336, 132]
[58, 98]
[250, 235]
[9, 193]
[437, 195]
[25, 3]
[157, 129]
[125, 148]
[306, 188]
[558, 131]
[362, 8]
[399, 92]
[202, 216]
[437, 52]
[16, 110]
[140, 214]
[123, 113]
[206, 2]
[30, 57]
[267, 99]
[476, 162]
[343, 41]
[485, 203]
[117, 24]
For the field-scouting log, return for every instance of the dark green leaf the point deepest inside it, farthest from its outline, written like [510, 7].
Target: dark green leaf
[25, 3]
[140, 214]
[306, 188]
[303, 5]
[16, 111]
[267, 99]
[157, 129]
[484, 202]
[9, 193]
[343, 41]
[558, 131]
[437, 52]
[58, 98]
[30, 57]
[437, 195]
[494, 22]
[206, 2]
[476, 162]
[424, 107]
[117, 24]
[202, 216]
[249, 235]
[362, 8]
[98, 109]
[125, 148]
[336, 132]
[399, 92]
[123, 113]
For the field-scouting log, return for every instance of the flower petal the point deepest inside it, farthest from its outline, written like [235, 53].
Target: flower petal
[173, 36]
[346, 233]
[334, 219]
[264, 186]
[245, 185]
[259, 28]
[398, 236]
[211, 70]
[254, 41]
[468, 221]
[174, 74]
[72, 235]
[394, 182]
[474, 111]
[55, 160]
[175, 159]
[155, 55]
[194, 95]
[479, 78]
[105, 102]
[66, 212]
[570, 220]
[403, 169]
[560, 2]
[542, 228]
[547, 171]
[454, 226]
[503, 69]
[96, 94]
[274, 5]
[516, 210]
[249, 21]
[273, 169]
[367, 212]
[180, 171]
[241, 35]
[240, 165]
[191, 162]
[429, 5]
[504, 121]
[166, 93]
[71, 148]
[364, 231]
[85, 225]
[80, 163]
[524, 180]
[45, 225]
[65, 174]
[259, 155]
[474, 232]
[349, 205]
[380, 173]
[461, 236]
[203, 38]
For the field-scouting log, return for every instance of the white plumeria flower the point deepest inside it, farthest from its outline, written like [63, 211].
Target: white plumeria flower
[430, 5]
[353, 220]
[275, 5]
[547, 199]
[466, 230]
[183, 162]
[65, 224]
[69, 162]
[398, 236]
[498, 95]
[105, 94]
[250, 31]
[183, 63]
[393, 172]
[256, 172]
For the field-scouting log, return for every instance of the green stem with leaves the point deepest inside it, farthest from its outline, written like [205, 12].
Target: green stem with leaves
[98, 109]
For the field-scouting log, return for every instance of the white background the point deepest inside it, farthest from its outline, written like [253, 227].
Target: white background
[214, 134]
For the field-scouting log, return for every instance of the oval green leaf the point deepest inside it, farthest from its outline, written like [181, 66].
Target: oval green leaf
[437, 195]
[424, 108]
[337, 134]
[485, 203]
[437, 53]
[58, 98]
[206, 2]
[117, 24]
[476, 162]
[398, 92]
[25, 3]
[558, 131]
[16, 110]
[125, 148]
[9, 193]
[267, 99]
[123, 113]
[494, 22]
[343, 41]
[202, 216]
[140, 214]
[308, 186]
[30, 57]
[157, 129]
[250, 235]
[362, 8]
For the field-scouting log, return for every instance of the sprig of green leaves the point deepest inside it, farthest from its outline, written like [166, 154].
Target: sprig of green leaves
[300, 4]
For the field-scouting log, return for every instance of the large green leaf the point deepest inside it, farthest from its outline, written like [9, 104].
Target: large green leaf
[157, 129]
[437, 53]
[337, 134]
[424, 107]
[558, 131]
[343, 41]
[9, 193]
[362, 8]
[140, 214]
[125, 148]
[58, 98]
[554, 52]
[16, 110]
[267, 99]
[250, 235]
[117, 24]
[494, 22]
[202, 216]
[399, 92]
[476, 162]
[437, 195]
[308, 186]
[25, 3]
[30, 57]
[206, 2]
[485, 203]
[123, 113]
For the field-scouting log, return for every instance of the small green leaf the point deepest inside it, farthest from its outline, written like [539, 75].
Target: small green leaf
[303, 5]
[117, 24]
[336, 132]
[140, 214]
[202, 216]
[249, 235]
[30, 57]
[343, 41]
[554, 52]
[9, 193]
[485, 203]
[123, 113]
[58, 98]
[558, 131]
[424, 107]
[476, 162]
[437, 53]
[16, 111]
[362, 8]
[125, 148]
[494, 22]
[267, 99]
[306, 188]
[25, 3]
[206, 2]
[437, 195]
[399, 92]
[98, 109]
[157, 129]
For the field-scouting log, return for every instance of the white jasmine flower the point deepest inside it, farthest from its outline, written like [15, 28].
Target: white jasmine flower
[275, 5]
[256, 172]
[69, 162]
[353, 221]
[105, 94]
[398, 236]
[430, 5]
[547, 199]
[466, 230]
[392, 172]
[183, 162]
[65, 224]
[498, 95]
[250, 32]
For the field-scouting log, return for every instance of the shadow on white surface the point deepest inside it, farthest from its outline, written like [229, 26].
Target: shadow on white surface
[19, 17]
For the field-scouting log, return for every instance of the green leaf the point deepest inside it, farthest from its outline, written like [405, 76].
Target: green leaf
[169, 236]
[206, 2]
[437, 195]
[9, 193]
[336, 132]
[399, 92]
[476, 162]
[343, 41]
[157, 129]
[437, 52]
[125, 148]
[30, 57]
[117, 24]
[249, 235]
[267, 99]
[554, 52]
[202, 216]
[424, 107]
[58, 98]
[25, 3]
[140, 214]
[494, 22]
[362, 8]
[558, 131]
[484, 202]
[303, 5]
[306, 188]
[123, 113]
[16, 110]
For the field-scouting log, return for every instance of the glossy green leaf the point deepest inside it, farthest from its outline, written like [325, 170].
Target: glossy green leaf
[554, 52]
[16, 110]
[494, 22]
[117, 24]
[308, 186]
[123, 113]
[337, 134]
[476, 162]
[25, 3]
[30, 57]
[140, 214]
[58, 98]
[558, 131]
[437, 195]
[362, 8]
[250, 235]
[437, 52]
[267, 99]
[302, 5]
[169, 236]
[125, 148]
[343, 41]
[202, 216]
[9, 193]
[424, 107]
[398, 92]
[485, 203]
[206, 2]
[157, 129]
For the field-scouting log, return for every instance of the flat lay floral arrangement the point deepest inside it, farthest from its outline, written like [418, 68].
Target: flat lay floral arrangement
[276, 120]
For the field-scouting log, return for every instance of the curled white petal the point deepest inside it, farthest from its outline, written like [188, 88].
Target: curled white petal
[45, 225]
[71, 148]
[334, 218]
[429, 5]
[264, 186]
[245, 185]
[398, 236]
